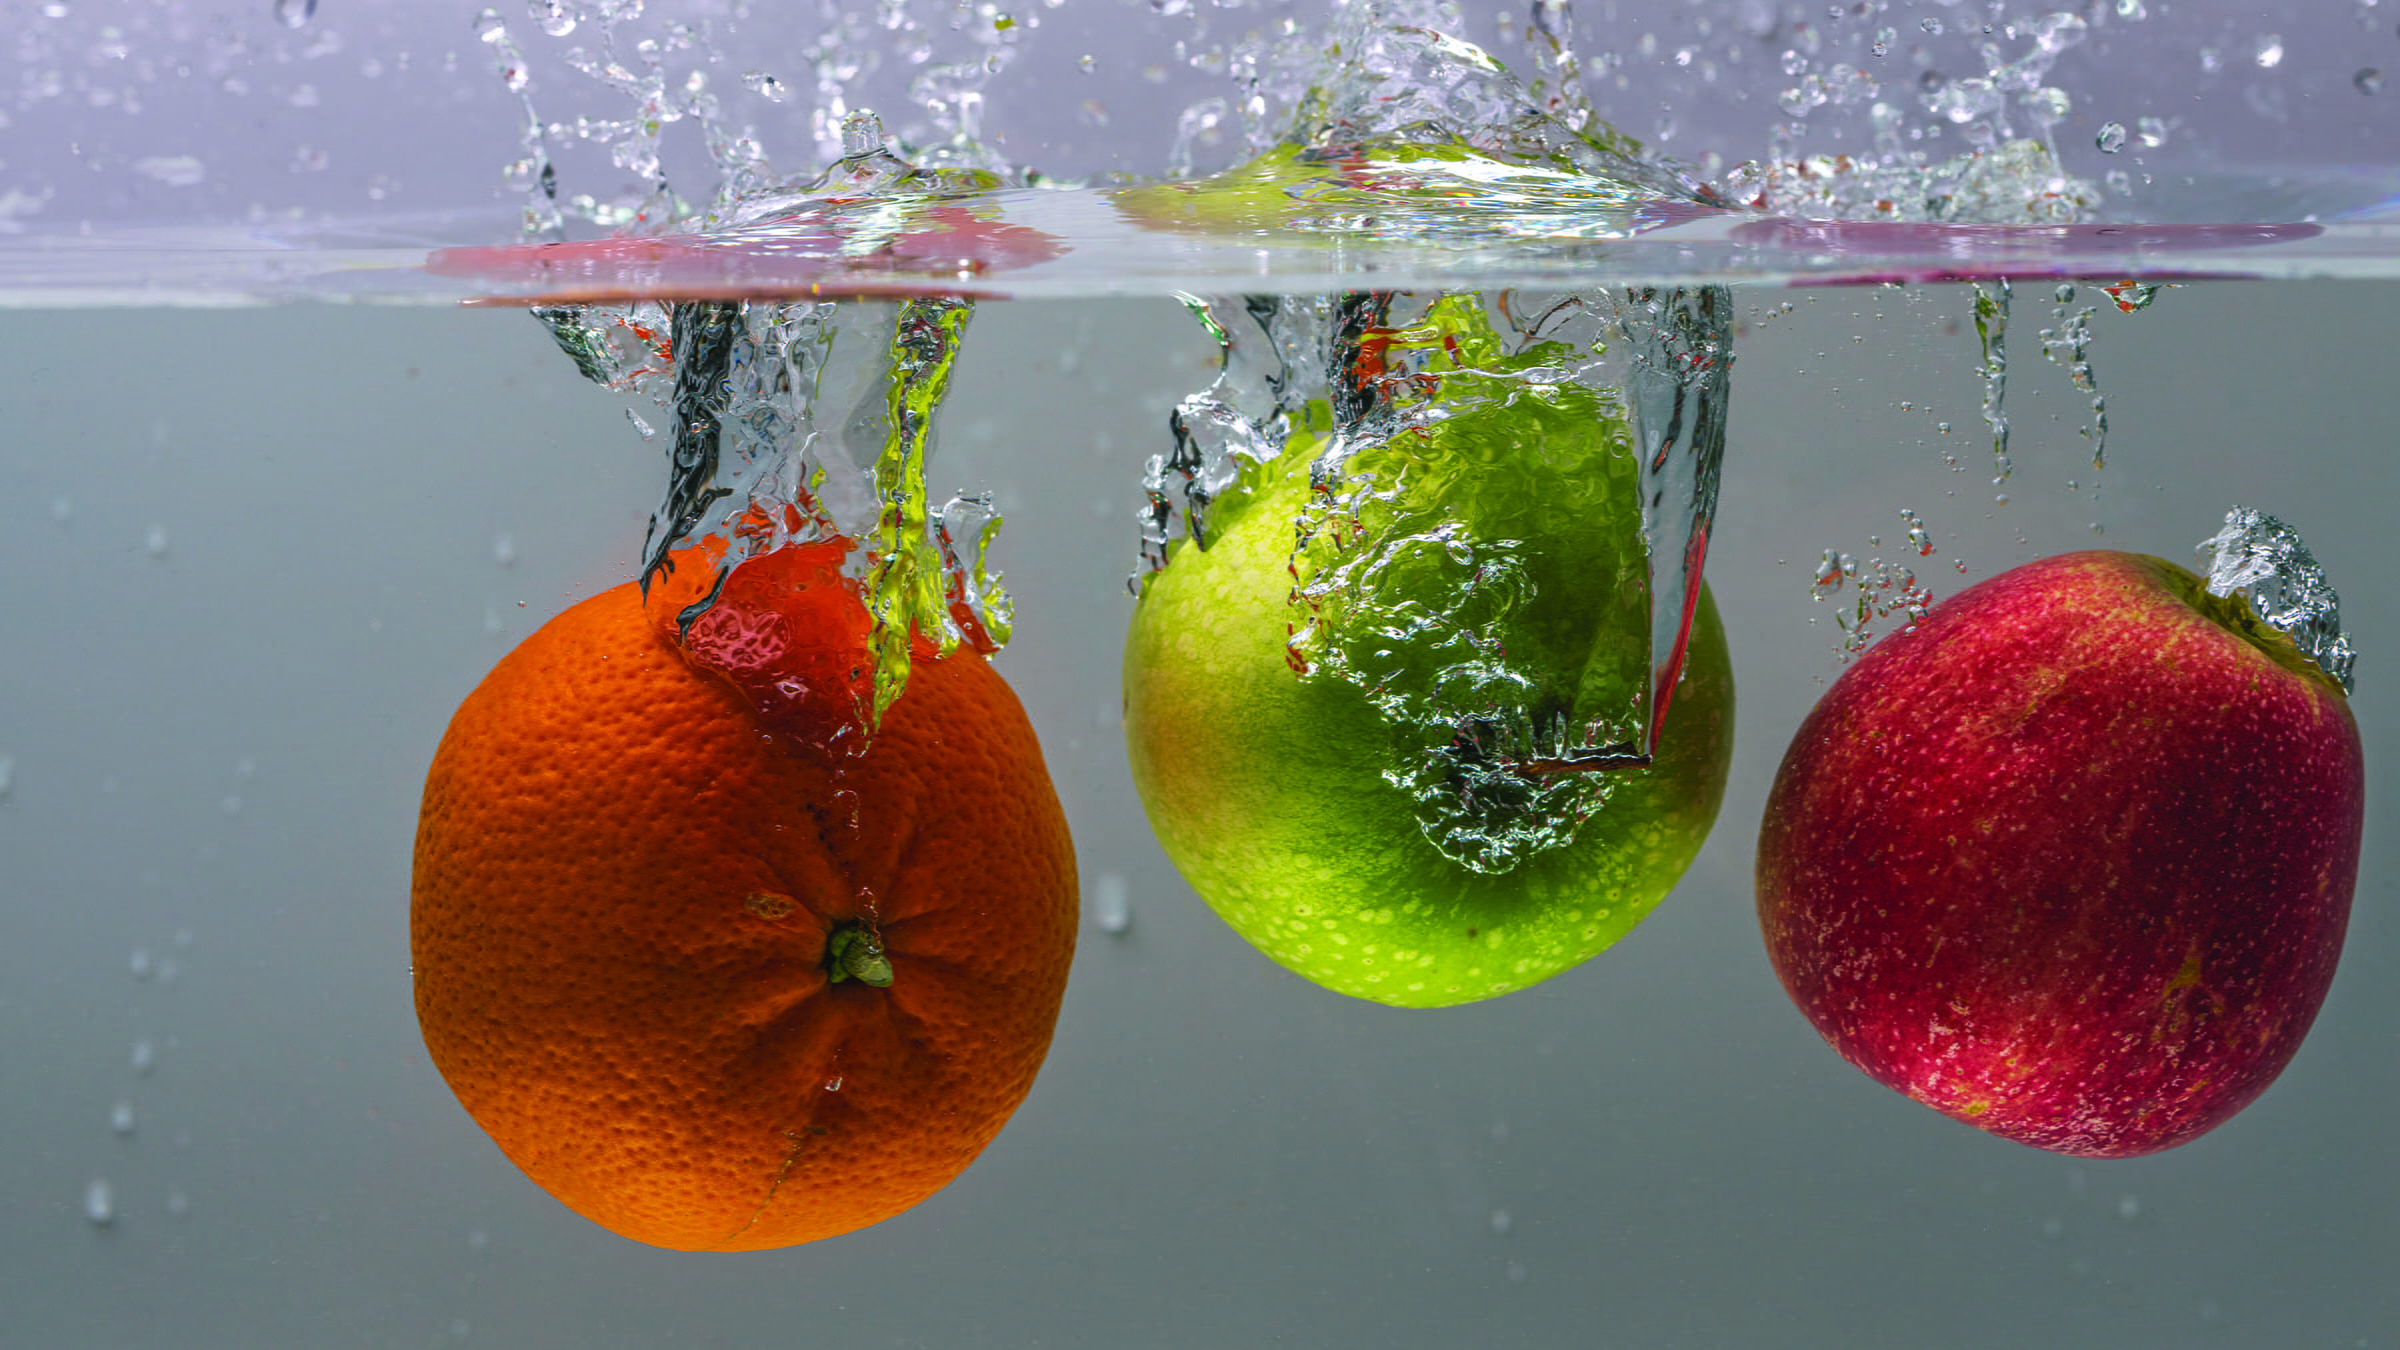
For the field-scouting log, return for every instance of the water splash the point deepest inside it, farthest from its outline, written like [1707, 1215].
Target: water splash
[2067, 342]
[2263, 560]
[1403, 131]
[1479, 611]
[1991, 331]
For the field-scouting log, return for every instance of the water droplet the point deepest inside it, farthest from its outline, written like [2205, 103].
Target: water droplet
[1942, 427]
[120, 1117]
[647, 431]
[1112, 905]
[862, 134]
[2269, 51]
[100, 1202]
[145, 1056]
[294, 13]
[2111, 138]
[553, 16]
[1501, 1221]
[489, 27]
[767, 87]
[156, 541]
[1931, 24]
[1884, 38]
[1085, 63]
[2369, 80]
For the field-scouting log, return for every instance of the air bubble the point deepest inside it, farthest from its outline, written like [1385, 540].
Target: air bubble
[1502, 1221]
[139, 963]
[2269, 51]
[295, 13]
[145, 1056]
[100, 1202]
[2111, 138]
[155, 542]
[1112, 905]
[504, 549]
[120, 1117]
[2368, 80]
[767, 87]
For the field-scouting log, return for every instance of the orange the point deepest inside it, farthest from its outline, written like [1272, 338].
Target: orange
[709, 972]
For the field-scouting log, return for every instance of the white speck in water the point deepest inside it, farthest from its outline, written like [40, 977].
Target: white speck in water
[1085, 63]
[156, 541]
[139, 963]
[2153, 131]
[172, 170]
[294, 13]
[1112, 905]
[120, 1117]
[178, 1203]
[2368, 80]
[2111, 138]
[2270, 51]
[100, 1202]
[145, 1056]
[230, 803]
[2129, 1207]
[504, 549]
[1501, 1222]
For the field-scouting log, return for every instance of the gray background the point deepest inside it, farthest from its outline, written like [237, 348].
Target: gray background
[217, 747]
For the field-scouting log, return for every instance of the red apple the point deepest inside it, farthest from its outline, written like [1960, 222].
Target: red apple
[2070, 860]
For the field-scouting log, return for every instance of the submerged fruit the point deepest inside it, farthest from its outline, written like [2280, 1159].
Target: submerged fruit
[1355, 717]
[2070, 860]
[710, 973]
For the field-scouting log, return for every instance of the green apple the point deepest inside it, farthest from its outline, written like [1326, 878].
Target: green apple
[1350, 716]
